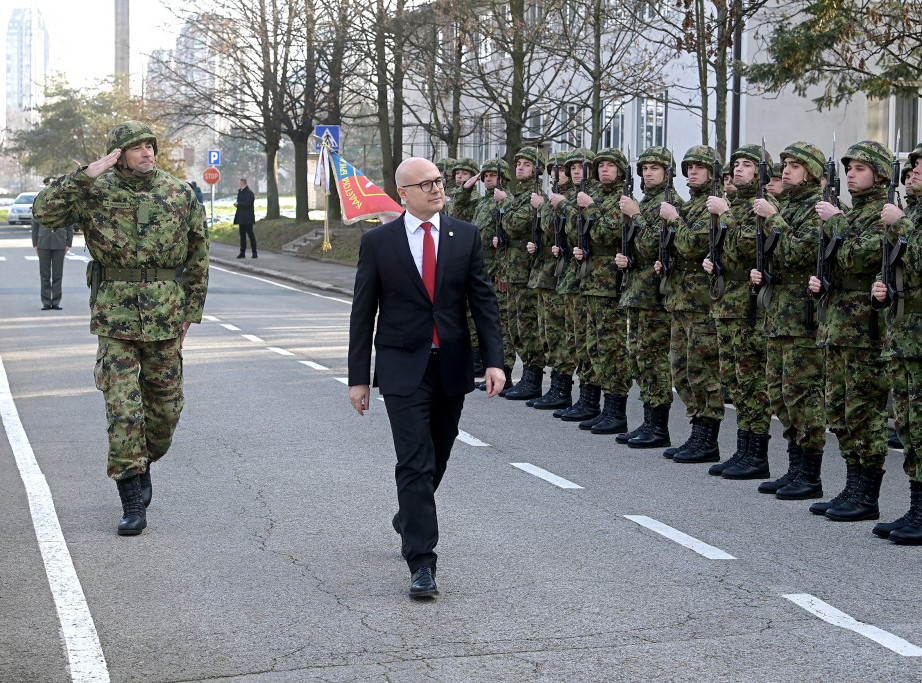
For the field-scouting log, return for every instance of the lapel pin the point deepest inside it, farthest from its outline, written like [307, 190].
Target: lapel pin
[451, 234]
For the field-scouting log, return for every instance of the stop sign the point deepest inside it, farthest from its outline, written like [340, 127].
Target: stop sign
[211, 175]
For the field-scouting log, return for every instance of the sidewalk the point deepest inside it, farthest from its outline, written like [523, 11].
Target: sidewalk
[329, 277]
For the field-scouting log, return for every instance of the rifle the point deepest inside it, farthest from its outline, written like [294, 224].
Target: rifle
[666, 234]
[583, 225]
[500, 230]
[892, 254]
[765, 244]
[560, 224]
[628, 227]
[828, 247]
[716, 236]
[536, 217]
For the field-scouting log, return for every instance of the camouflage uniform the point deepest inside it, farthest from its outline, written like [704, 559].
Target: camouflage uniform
[462, 210]
[857, 377]
[139, 228]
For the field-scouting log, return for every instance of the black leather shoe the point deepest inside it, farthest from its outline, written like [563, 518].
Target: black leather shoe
[46, 307]
[56, 308]
[422, 583]
[241, 255]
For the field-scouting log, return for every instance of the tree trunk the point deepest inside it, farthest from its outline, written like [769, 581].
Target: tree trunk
[272, 179]
[301, 146]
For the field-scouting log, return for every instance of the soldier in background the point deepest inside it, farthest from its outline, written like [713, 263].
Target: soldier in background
[447, 166]
[464, 170]
[140, 225]
[650, 324]
[693, 336]
[794, 369]
[775, 185]
[857, 377]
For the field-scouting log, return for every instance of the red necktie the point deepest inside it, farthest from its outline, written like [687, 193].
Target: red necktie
[429, 269]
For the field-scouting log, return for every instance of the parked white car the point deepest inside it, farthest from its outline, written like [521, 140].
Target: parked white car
[21, 208]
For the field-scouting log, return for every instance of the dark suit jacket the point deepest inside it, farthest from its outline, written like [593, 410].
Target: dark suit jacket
[388, 284]
[245, 214]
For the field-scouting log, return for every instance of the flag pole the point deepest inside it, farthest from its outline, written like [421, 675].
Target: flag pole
[325, 158]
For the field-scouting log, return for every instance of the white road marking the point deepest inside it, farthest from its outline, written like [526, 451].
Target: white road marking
[344, 380]
[277, 284]
[84, 652]
[228, 326]
[470, 440]
[281, 352]
[831, 615]
[312, 364]
[252, 338]
[2, 258]
[31, 258]
[689, 542]
[211, 319]
[77, 257]
[547, 476]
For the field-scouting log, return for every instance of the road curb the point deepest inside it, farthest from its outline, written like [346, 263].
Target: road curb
[278, 275]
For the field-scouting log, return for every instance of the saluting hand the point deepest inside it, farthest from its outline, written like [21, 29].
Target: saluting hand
[100, 166]
[469, 183]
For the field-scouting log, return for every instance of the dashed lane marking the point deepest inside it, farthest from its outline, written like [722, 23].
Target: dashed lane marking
[312, 364]
[232, 328]
[831, 615]
[689, 542]
[281, 352]
[549, 477]
[470, 440]
[252, 338]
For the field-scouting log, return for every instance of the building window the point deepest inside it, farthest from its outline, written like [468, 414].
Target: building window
[534, 125]
[575, 126]
[906, 121]
[651, 122]
[612, 124]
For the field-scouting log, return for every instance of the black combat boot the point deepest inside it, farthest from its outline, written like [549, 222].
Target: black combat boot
[551, 390]
[147, 491]
[754, 465]
[656, 435]
[528, 385]
[795, 454]
[588, 405]
[508, 385]
[742, 447]
[807, 482]
[616, 423]
[607, 408]
[852, 475]
[627, 436]
[704, 448]
[913, 518]
[863, 502]
[670, 452]
[481, 386]
[134, 514]
[561, 399]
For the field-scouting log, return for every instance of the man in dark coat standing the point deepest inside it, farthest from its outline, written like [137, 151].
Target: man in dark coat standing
[51, 246]
[418, 275]
[245, 217]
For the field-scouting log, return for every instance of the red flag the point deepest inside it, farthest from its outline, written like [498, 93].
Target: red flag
[358, 196]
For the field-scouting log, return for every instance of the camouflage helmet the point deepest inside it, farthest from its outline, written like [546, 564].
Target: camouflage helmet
[445, 164]
[872, 153]
[905, 171]
[531, 154]
[654, 155]
[810, 156]
[500, 166]
[616, 156]
[559, 158]
[129, 133]
[727, 170]
[578, 155]
[914, 156]
[700, 154]
[752, 153]
[466, 164]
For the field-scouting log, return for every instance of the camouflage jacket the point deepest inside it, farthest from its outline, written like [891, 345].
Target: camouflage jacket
[568, 283]
[516, 261]
[459, 203]
[739, 256]
[850, 320]
[483, 211]
[544, 263]
[606, 222]
[794, 261]
[904, 337]
[690, 282]
[643, 282]
[131, 222]
[913, 208]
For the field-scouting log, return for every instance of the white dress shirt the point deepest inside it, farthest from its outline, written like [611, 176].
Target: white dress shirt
[416, 234]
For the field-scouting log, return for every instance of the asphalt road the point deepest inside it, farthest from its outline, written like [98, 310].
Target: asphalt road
[270, 556]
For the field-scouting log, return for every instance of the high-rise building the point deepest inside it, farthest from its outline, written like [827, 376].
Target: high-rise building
[122, 41]
[26, 66]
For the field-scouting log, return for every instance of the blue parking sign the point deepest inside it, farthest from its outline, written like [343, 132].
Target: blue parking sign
[214, 157]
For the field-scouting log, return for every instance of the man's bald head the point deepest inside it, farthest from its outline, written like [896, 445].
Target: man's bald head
[408, 175]
[413, 166]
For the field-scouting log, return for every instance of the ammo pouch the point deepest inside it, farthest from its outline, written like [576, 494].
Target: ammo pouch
[93, 276]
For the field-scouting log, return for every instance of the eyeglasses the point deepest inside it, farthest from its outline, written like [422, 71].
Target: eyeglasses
[426, 185]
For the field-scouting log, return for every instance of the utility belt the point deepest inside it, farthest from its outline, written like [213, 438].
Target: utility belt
[688, 267]
[857, 284]
[96, 273]
[791, 278]
[604, 250]
[516, 244]
[736, 275]
[912, 305]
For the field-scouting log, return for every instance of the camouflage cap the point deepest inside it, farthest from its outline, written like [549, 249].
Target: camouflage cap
[129, 133]
[616, 156]
[578, 155]
[872, 153]
[701, 154]
[466, 164]
[810, 156]
[654, 155]
[533, 155]
[445, 164]
[751, 152]
[500, 166]
[914, 155]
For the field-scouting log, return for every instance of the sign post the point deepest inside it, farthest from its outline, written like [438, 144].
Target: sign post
[212, 176]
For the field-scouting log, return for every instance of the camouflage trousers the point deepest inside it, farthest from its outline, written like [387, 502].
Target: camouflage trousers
[907, 401]
[857, 383]
[552, 324]
[794, 372]
[574, 339]
[522, 304]
[742, 371]
[506, 325]
[142, 385]
[648, 347]
[695, 364]
[606, 345]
